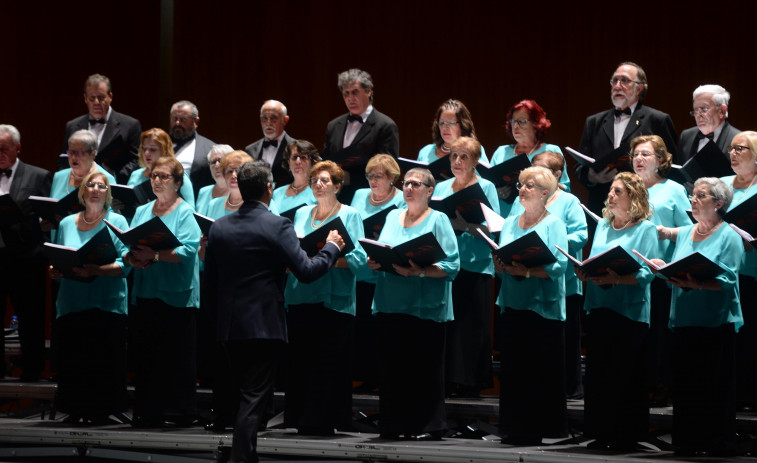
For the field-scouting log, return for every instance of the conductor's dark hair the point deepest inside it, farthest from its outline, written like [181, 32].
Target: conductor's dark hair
[253, 179]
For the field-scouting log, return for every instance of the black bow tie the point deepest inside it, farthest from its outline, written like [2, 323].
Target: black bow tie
[710, 135]
[620, 112]
[267, 143]
[352, 118]
[96, 121]
[7, 172]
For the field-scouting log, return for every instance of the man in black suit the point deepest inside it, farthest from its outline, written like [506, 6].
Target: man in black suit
[363, 129]
[249, 299]
[615, 128]
[117, 134]
[22, 264]
[710, 111]
[270, 148]
[190, 148]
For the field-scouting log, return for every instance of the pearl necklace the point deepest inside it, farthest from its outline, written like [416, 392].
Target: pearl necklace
[712, 229]
[314, 214]
[378, 202]
[230, 204]
[444, 148]
[84, 218]
[621, 228]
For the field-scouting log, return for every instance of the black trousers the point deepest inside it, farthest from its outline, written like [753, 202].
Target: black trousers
[253, 369]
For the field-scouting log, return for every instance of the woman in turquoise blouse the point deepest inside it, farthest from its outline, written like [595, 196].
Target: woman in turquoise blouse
[321, 317]
[382, 172]
[82, 149]
[527, 123]
[153, 145]
[616, 405]
[743, 153]
[300, 156]
[219, 188]
[567, 207]
[165, 297]
[411, 310]
[668, 200]
[705, 316]
[469, 349]
[532, 401]
[451, 121]
[91, 317]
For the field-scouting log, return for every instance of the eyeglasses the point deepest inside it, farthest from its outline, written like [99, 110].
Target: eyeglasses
[519, 122]
[371, 177]
[623, 81]
[323, 180]
[700, 110]
[414, 184]
[269, 118]
[643, 154]
[158, 175]
[699, 197]
[77, 154]
[528, 186]
[461, 156]
[299, 157]
[447, 123]
[215, 161]
[738, 148]
[98, 185]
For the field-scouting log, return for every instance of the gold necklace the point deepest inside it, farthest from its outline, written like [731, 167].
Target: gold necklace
[313, 214]
[712, 229]
[296, 189]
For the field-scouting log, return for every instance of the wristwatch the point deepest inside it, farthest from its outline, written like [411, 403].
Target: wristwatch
[156, 258]
[422, 274]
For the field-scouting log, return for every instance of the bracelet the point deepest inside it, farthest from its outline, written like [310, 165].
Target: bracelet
[528, 273]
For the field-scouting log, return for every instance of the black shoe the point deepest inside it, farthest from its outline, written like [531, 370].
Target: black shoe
[390, 436]
[314, 431]
[72, 419]
[599, 444]
[217, 427]
[426, 436]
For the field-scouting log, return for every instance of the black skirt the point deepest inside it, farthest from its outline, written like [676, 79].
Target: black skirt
[616, 399]
[411, 374]
[163, 345]
[91, 347]
[319, 382]
[532, 394]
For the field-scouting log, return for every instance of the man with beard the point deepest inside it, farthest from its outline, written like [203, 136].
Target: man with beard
[190, 148]
[270, 148]
[613, 129]
[710, 111]
[117, 133]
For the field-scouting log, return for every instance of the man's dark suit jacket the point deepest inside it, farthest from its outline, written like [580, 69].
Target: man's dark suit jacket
[119, 149]
[597, 141]
[379, 134]
[245, 272]
[25, 239]
[281, 175]
[687, 146]
[200, 174]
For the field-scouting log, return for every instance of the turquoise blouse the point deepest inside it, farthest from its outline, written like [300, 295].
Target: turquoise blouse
[631, 301]
[568, 209]
[703, 307]
[176, 284]
[280, 202]
[669, 203]
[545, 296]
[204, 197]
[475, 253]
[505, 152]
[749, 261]
[106, 293]
[428, 154]
[336, 289]
[425, 298]
[187, 193]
